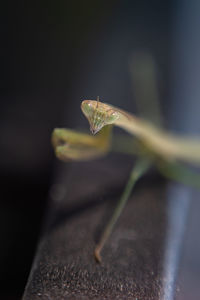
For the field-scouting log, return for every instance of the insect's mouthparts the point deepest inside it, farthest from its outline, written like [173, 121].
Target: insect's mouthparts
[93, 131]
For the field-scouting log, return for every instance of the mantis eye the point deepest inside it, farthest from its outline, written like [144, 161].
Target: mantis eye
[87, 109]
[111, 118]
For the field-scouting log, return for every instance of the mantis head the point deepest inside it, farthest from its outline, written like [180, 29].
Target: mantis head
[98, 114]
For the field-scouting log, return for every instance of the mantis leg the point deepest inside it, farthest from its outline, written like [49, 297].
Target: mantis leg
[72, 145]
[145, 87]
[178, 172]
[138, 170]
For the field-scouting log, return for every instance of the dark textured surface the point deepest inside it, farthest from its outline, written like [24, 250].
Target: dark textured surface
[132, 267]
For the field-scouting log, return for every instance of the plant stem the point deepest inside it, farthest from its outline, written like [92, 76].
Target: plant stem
[140, 167]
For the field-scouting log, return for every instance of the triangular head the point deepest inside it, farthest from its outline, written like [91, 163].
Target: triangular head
[98, 114]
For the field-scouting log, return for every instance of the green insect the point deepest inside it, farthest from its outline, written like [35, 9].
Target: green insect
[151, 144]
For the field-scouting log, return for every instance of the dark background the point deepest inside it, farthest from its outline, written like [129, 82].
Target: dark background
[53, 55]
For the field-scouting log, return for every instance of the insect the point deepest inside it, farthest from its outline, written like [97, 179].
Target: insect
[152, 145]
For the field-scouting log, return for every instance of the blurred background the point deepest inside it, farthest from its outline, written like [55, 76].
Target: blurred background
[55, 54]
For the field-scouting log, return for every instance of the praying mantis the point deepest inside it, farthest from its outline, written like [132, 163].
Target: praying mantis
[152, 145]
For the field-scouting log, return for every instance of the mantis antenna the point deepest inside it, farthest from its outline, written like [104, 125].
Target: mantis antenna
[97, 104]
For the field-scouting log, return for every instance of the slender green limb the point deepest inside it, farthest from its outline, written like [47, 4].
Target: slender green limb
[144, 78]
[138, 170]
[73, 145]
[180, 173]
